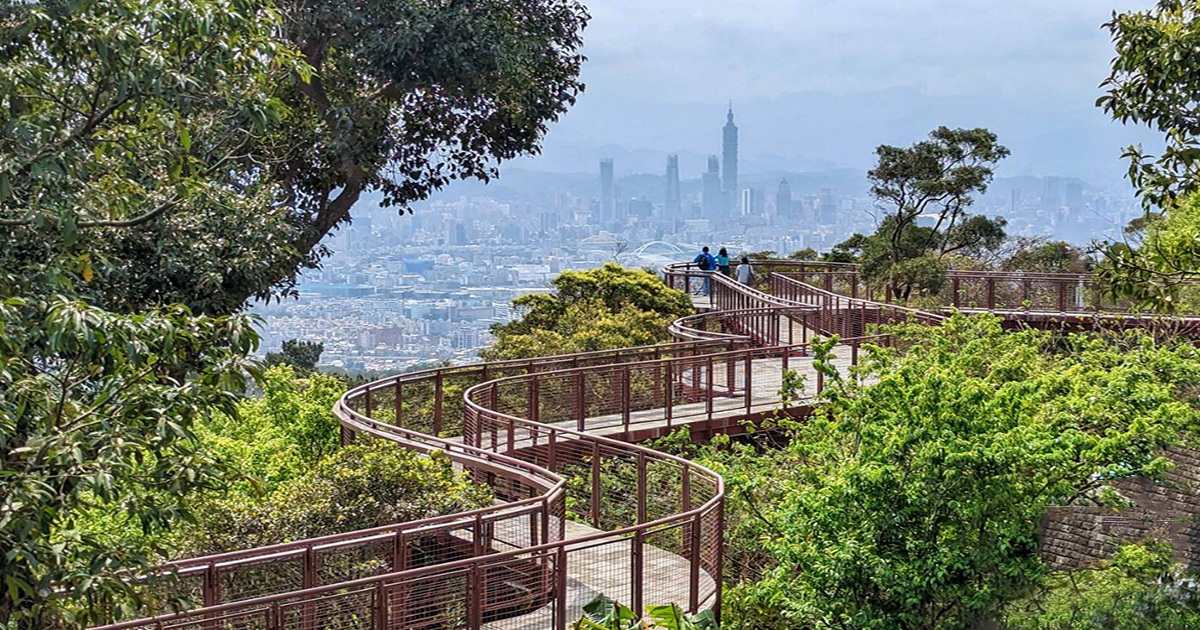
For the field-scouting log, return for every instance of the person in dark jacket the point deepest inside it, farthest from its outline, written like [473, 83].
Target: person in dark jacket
[705, 262]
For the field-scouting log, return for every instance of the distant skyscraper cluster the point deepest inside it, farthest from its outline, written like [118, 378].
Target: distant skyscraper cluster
[721, 195]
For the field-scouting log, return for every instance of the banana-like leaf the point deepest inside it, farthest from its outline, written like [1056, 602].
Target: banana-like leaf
[603, 613]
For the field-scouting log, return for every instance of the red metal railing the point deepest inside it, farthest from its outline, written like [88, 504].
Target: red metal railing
[845, 316]
[579, 508]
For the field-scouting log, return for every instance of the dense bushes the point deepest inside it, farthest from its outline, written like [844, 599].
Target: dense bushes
[600, 309]
[365, 485]
[915, 502]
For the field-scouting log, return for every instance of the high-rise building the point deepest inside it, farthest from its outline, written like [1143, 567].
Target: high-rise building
[783, 200]
[729, 160]
[1052, 194]
[714, 198]
[607, 196]
[827, 211]
[1073, 197]
[749, 202]
[672, 208]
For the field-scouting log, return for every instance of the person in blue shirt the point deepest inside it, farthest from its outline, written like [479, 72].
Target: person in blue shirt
[723, 262]
[705, 262]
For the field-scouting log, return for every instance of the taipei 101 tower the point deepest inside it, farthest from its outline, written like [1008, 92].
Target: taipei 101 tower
[729, 163]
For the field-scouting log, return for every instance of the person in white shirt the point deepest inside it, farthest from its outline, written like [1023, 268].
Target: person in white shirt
[745, 273]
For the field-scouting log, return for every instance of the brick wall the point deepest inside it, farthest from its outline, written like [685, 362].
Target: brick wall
[1074, 537]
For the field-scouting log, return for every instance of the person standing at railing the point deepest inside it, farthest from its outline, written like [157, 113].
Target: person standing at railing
[705, 262]
[745, 272]
[723, 262]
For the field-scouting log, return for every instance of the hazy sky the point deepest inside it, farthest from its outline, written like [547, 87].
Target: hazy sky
[824, 81]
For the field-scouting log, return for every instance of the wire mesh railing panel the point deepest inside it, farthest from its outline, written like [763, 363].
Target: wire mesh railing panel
[518, 591]
[353, 562]
[261, 578]
[664, 489]
[257, 618]
[610, 573]
[666, 570]
[438, 601]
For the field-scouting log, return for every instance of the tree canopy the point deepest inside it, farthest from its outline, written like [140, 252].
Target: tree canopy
[1153, 81]
[933, 179]
[604, 308]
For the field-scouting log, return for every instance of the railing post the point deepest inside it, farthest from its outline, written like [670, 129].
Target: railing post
[669, 393]
[954, 287]
[637, 565]
[708, 397]
[694, 564]
[380, 610]
[367, 407]
[399, 402]
[991, 293]
[719, 564]
[749, 385]
[596, 485]
[626, 398]
[560, 596]
[534, 411]
[474, 599]
[1062, 296]
[580, 401]
[308, 579]
[437, 404]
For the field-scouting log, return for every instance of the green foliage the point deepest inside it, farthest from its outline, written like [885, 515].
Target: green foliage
[125, 130]
[1154, 78]
[935, 177]
[302, 356]
[604, 308]
[1141, 588]
[197, 151]
[603, 613]
[807, 253]
[97, 412]
[1158, 274]
[279, 436]
[914, 502]
[359, 486]
[1040, 255]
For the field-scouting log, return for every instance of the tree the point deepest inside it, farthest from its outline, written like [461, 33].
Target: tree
[914, 502]
[97, 412]
[1044, 256]
[1153, 78]
[933, 178]
[1158, 273]
[300, 355]
[180, 167]
[604, 308]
